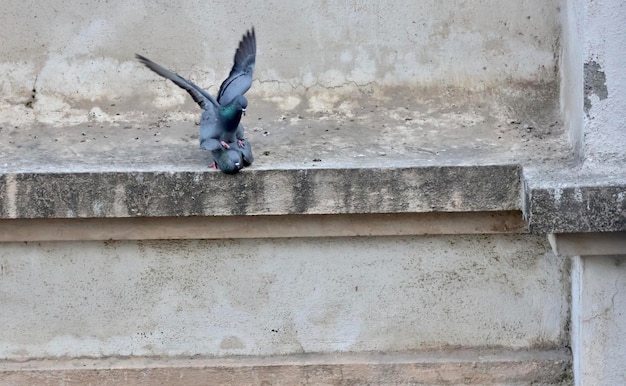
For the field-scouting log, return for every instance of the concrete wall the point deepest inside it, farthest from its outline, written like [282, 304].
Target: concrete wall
[78, 57]
[593, 100]
[280, 296]
[66, 64]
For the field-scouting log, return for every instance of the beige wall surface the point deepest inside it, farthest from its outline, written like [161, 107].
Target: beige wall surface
[78, 56]
[280, 296]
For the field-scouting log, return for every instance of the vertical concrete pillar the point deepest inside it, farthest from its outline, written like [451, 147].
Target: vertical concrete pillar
[598, 305]
[599, 319]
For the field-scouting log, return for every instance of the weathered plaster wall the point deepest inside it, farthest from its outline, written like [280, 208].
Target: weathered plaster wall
[605, 82]
[280, 296]
[78, 57]
[593, 80]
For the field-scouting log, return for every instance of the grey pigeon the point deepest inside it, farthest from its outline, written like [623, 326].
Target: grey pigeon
[238, 82]
[220, 127]
[218, 123]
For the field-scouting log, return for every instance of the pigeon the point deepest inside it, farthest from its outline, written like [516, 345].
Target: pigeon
[218, 123]
[220, 127]
[238, 82]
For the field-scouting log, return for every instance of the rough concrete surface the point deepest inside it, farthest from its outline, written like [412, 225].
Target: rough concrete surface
[456, 152]
[443, 367]
[396, 89]
[280, 296]
[577, 209]
[265, 192]
[394, 127]
[69, 63]
[576, 199]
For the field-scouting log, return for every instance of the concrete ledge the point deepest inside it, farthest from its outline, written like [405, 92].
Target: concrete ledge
[260, 192]
[480, 367]
[579, 208]
[588, 244]
[233, 227]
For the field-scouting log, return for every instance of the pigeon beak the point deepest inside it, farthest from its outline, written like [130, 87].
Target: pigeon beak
[243, 111]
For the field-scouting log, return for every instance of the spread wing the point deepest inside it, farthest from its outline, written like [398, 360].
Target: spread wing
[201, 97]
[240, 78]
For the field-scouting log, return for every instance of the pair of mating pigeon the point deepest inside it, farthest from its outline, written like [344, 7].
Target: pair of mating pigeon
[220, 129]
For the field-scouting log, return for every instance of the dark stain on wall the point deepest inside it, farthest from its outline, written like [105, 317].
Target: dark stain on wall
[595, 83]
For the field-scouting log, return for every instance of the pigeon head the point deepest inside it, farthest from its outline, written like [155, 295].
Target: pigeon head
[228, 161]
[234, 157]
[236, 106]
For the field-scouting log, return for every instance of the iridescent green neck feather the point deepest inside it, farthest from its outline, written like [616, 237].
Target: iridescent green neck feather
[231, 113]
